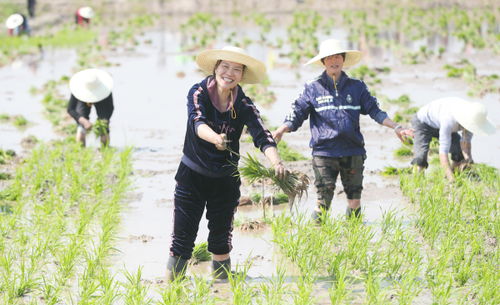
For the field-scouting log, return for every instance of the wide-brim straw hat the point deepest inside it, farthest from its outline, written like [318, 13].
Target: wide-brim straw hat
[255, 70]
[14, 21]
[86, 12]
[332, 47]
[91, 85]
[472, 116]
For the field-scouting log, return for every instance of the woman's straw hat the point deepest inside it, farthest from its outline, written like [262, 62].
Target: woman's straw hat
[14, 21]
[255, 70]
[86, 12]
[333, 46]
[91, 85]
[472, 116]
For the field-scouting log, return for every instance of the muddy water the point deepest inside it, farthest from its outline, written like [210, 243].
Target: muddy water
[151, 116]
[16, 81]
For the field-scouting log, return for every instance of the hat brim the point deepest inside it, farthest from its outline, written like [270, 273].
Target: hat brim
[14, 21]
[255, 70]
[97, 94]
[460, 112]
[352, 57]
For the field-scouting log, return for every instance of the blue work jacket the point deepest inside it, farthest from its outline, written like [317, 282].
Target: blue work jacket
[334, 115]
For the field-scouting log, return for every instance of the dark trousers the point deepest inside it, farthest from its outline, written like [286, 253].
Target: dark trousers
[193, 193]
[422, 138]
[31, 8]
[326, 171]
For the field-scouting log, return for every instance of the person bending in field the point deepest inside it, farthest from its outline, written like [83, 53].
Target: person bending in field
[444, 119]
[83, 15]
[207, 176]
[91, 87]
[334, 102]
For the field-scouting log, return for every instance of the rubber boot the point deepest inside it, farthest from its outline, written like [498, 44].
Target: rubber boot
[176, 267]
[353, 212]
[221, 269]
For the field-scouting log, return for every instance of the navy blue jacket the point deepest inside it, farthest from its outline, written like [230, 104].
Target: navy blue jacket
[202, 156]
[334, 115]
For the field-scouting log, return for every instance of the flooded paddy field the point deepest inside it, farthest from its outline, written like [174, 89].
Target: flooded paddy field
[152, 77]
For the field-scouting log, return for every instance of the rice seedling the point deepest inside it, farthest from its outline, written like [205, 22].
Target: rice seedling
[275, 289]
[135, 291]
[288, 154]
[338, 292]
[242, 291]
[394, 171]
[200, 252]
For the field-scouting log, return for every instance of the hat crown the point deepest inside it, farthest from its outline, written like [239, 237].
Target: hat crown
[91, 82]
[329, 46]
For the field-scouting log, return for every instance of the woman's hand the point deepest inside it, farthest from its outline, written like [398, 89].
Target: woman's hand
[221, 142]
[85, 123]
[280, 171]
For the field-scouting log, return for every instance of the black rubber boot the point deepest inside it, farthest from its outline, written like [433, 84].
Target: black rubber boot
[221, 269]
[353, 212]
[176, 267]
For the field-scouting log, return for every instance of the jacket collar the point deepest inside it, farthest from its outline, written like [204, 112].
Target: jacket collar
[328, 81]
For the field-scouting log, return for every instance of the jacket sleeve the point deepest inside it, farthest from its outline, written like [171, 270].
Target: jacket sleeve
[300, 111]
[370, 106]
[195, 106]
[72, 108]
[261, 136]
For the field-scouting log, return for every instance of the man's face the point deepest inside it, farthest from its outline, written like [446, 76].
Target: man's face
[333, 64]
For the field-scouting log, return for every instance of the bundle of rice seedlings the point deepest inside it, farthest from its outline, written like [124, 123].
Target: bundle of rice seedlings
[200, 252]
[294, 185]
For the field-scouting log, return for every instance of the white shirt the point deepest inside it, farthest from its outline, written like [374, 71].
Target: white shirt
[437, 114]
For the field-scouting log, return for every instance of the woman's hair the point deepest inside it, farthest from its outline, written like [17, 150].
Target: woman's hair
[323, 59]
[218, 63]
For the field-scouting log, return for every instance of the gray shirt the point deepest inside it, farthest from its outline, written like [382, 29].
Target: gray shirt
[437, 114]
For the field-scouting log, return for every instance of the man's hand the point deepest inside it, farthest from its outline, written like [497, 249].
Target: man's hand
[278, 133]
[403, 133]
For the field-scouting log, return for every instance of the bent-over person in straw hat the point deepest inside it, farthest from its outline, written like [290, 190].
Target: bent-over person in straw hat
[17, 25]
[334, 102]
[218, 110]
[91, 87]
[444, 119]
[83, 15]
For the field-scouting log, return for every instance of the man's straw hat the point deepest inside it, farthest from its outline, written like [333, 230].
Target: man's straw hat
[14, 21]
[86, 12]
[472, 116]
[255, 70]
[91, 85]
[333, 46]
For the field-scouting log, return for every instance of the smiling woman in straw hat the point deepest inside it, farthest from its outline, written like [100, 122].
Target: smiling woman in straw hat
[334, 102]
[17, 24]
[91, 87]
[443, 119]
[218, 110]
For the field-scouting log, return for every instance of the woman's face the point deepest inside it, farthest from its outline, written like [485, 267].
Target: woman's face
[228, 74]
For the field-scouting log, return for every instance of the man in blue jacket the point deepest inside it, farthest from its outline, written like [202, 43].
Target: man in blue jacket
[333, 102]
